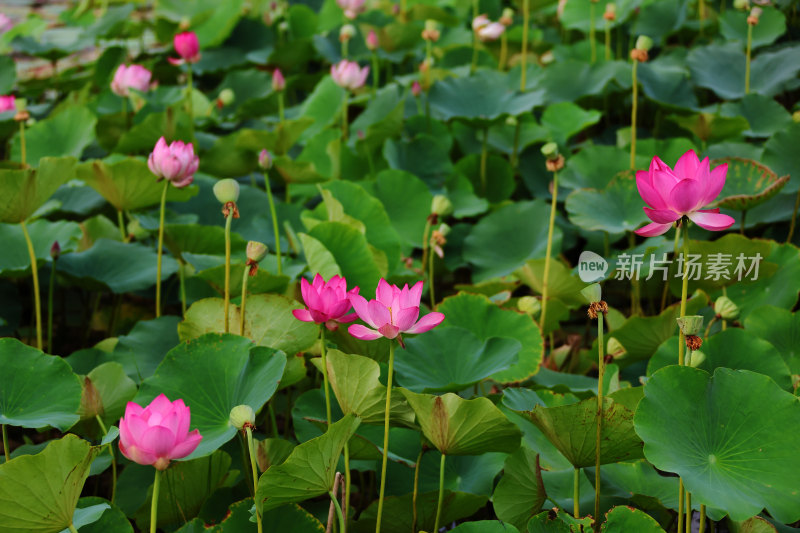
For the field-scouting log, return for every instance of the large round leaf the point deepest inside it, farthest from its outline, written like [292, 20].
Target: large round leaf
[268, 322]
[451, 359]
[352, 253]
[496, 247]
[455, 506]
[64, 134]
[25, 191]
[408, 216]
[781, 328]
[615, 209]
[463, 427]
[15, 259]
[486, 320]
[520, 493]
[771, 25]
[38, 493]
[214, 374]
[24, 401]
[732, 449]
[748, 184]
[624, 518]
[485, 526]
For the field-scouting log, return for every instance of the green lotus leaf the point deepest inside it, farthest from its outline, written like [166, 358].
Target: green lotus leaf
[214, 374]
[520, 492]
[26, 190]
[66, 133]
[23, 401]
[748, 184]
[455, 506]
[730, 449]
[410, 215]
[624, 518]
[781, 328]
[15, 259]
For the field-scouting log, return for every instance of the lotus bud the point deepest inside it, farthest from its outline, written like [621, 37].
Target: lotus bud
[507, 18]
[615, 349]
[256, 251]
[695, 358]
[347, 32]
[265, 159]
[226, 96]
[242, 416]
[372, 40]
[278, 81]
[416, 90]
[547, 58]
[741, 4]
[441, 205]
[592, 293]
[55, 251]
[610, 13]
[529, 305]
[725, 309]
[690, 325]
[226, 191]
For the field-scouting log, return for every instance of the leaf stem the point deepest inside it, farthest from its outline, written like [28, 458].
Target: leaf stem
[608, 40]
[416, 491]
[273, 421]
[474, 63]
[548, 252]
[280, 107]
[342, 526]
[375, 66]
[747, 60]
[680, 505]
[431, 258]
[592, 36]
[600, 374]
[154, 503]
[702, 519]
[385, 436]
[794, 217]
[501, 64]
[325, 374]
[252, 449]
[244, 299]
[274, 215]
[50, 292]
[634, 108]
[228, 219]
[484, 157]
[72, 529]
[121, 224]
[576, 493]
[182, 282]
[22, 147]
[425, 243]
[684, 289]
[6, 450]
[189, 102]
[526, 21]
[347, 481]
[35, 273]
[441, 494]
[688, 511]
[160, 247]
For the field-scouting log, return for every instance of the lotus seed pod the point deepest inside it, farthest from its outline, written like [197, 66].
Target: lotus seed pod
[265, 159]
[643, 42]
[444, 230]
[690, 325]
[726, 309]
[227, 96]
[615, 349]
[529, 305]
[550, 150]
[256, 251]
[511, 120]
[242, 415]
[347, 32]
[592, 293]
[507, 18]
[696, 358]
[611, 8]
[441, 205]
[226, 191]
[741, 4]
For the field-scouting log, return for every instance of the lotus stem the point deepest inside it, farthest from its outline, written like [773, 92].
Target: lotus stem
[325, 373]
[228, 219]
[515, 151]
[244, 300]
[338, 507]
[636, 306]
[154, 503]
[121, 224]
[344, 48]
[441, 494]
[592, 36]
[431, 258]
[608, 40]
[526, 20]
[684, 289]
[37, 304]
[548, 252]
[702, 519]
[680, 506]
[22, 147]
[701, 12]
[252, 449]
[634, 108]
[374, 73]
[474, 63]
[600, 373]
[72, 529]
[50, 292]
[426, 243]
[6, 449]
[484, 157]
[113, 459]
[273, 421]
[182, 283]
[747, 61]
[280, 107]
[688, 511]
[189, 102]
[794, 217]
[501, 64]
[274, 215]
[385, 436]
[161, 247]
[576, 493]
[347, 481]
[416, 491]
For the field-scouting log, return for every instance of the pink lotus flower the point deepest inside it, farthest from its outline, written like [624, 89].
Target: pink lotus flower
[158, 433]
[394, 311]
[416, 88]
[328, 302]
[491, 31]
[175, 162]
[132, 77]
[348, 75]
[7, 103]
[372, 40]
[188, 48]
[278, 81]
[351, 7]
[479, 22]
[5, 23]
[682, 191]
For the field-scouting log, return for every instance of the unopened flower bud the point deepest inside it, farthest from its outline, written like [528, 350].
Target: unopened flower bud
[226, 97]
[184, 24]
[265, 159]
[416, 90]
[278, 81]
[226, 191]
[643, 42]
[529, 305]
[547, 58]
[690, 325]
[507, 18]
[372, 40]
[347, 32]
[256, 251]
[242, 416]
[55, 251]
[695, 358]
[726, 309]
[441, 205]
[592, 293]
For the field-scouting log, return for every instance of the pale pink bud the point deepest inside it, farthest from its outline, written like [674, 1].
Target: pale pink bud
[351, 7]
[278, 81]
[133, 77]
[416, 88]
[265, 159]
[372, 40]
[175, 162]
[491, 31]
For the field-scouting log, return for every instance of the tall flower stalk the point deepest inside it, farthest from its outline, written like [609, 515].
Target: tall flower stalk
[243, 418]
[372, 45]
[227, 193]
[441, 493]
[555, 162]
[526, 22]
[256, 252]
[609, 16]
[592, 33]
[752, 20]
[349, 76]
[638, 54]
[37, 303]
[394, 311]
[279, 86]
[265, 162]
[188, 48]
[55, 253]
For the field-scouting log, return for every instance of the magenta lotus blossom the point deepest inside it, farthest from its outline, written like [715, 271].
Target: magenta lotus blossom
[157, 434]
[351, 7]
[394, 311]
[348, 75]
[328, 302]
[682, 191]
[278, 81]
[132, 77]
[187, 46]
[7, 103]
[175, 162]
